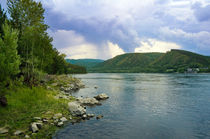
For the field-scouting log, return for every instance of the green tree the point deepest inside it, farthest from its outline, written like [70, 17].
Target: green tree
[34, 44]
[9, 59]
[3, 17]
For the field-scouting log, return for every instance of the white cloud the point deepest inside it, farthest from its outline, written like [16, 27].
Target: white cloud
[153, 45]
[201, 39]
[80, 51]
[114, 49]
[75, 46]
[66, 38]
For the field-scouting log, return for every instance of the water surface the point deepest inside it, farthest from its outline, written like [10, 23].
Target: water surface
[160, 106]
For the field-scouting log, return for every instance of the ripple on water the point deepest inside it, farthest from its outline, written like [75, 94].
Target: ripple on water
[160, 106]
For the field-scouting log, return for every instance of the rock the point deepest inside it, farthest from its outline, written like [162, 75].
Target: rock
[88, 101]
[39, 125]
[3, 130]
[33, 127]
[60, 124]
[99, 117]
[18, 132]
[3, 101]
[79, 84]
[84, 116]
[90, 115]
[27, 136]
[57, 116]
[56, 121]
[101, 97]
[63, 119]
[45, 120]
[66, 89]
[76, 109]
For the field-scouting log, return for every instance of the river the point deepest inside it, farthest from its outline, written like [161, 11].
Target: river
[148, 106]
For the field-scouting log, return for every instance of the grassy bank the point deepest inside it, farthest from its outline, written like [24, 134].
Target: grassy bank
[25, 103]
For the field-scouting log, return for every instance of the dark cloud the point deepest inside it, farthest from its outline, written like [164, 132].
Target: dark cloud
[201, 13]
[127, 23]
[93, 29]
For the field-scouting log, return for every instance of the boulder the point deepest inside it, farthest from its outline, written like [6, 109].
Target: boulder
[90, 115]
[85, 117]
[63, 119]
[27, 136]
[33, 127]
[56, 121]
[44, 120]
[76, 109]
[18, 132]
[102, 96]
[60, 124]
[3, 130]
[39, 125]
[88, 101]
[99, 117]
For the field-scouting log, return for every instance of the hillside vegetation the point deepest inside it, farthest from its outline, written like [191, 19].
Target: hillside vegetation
[172, 61]
[87, 63]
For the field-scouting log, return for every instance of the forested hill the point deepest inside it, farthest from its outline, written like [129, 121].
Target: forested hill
[87, 63]
[172, 61]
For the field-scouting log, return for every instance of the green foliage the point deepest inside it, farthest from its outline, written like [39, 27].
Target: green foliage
[131, 62]
[34, 44]
[3, 18]
[87, 63]
[9, 59]
[173, 61]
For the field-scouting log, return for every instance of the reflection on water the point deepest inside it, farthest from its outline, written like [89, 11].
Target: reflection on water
[146, 106]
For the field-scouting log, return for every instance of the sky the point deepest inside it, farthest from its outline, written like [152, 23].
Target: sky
[102, 29]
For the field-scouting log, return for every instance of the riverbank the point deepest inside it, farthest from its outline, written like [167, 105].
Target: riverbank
[44, 107]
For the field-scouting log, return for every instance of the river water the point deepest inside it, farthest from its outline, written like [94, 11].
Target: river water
[147, 106]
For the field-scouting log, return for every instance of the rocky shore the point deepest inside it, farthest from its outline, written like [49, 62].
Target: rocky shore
[63, 88]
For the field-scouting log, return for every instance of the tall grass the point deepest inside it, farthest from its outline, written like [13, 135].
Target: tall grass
[25, 103]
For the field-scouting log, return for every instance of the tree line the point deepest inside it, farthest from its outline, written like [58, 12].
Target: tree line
[26, 49]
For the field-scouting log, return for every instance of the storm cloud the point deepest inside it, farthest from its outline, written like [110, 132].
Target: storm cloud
[102, 29]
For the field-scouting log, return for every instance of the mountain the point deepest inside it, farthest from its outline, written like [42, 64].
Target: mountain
[180, 60]
[172, 61]
[88, 63]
